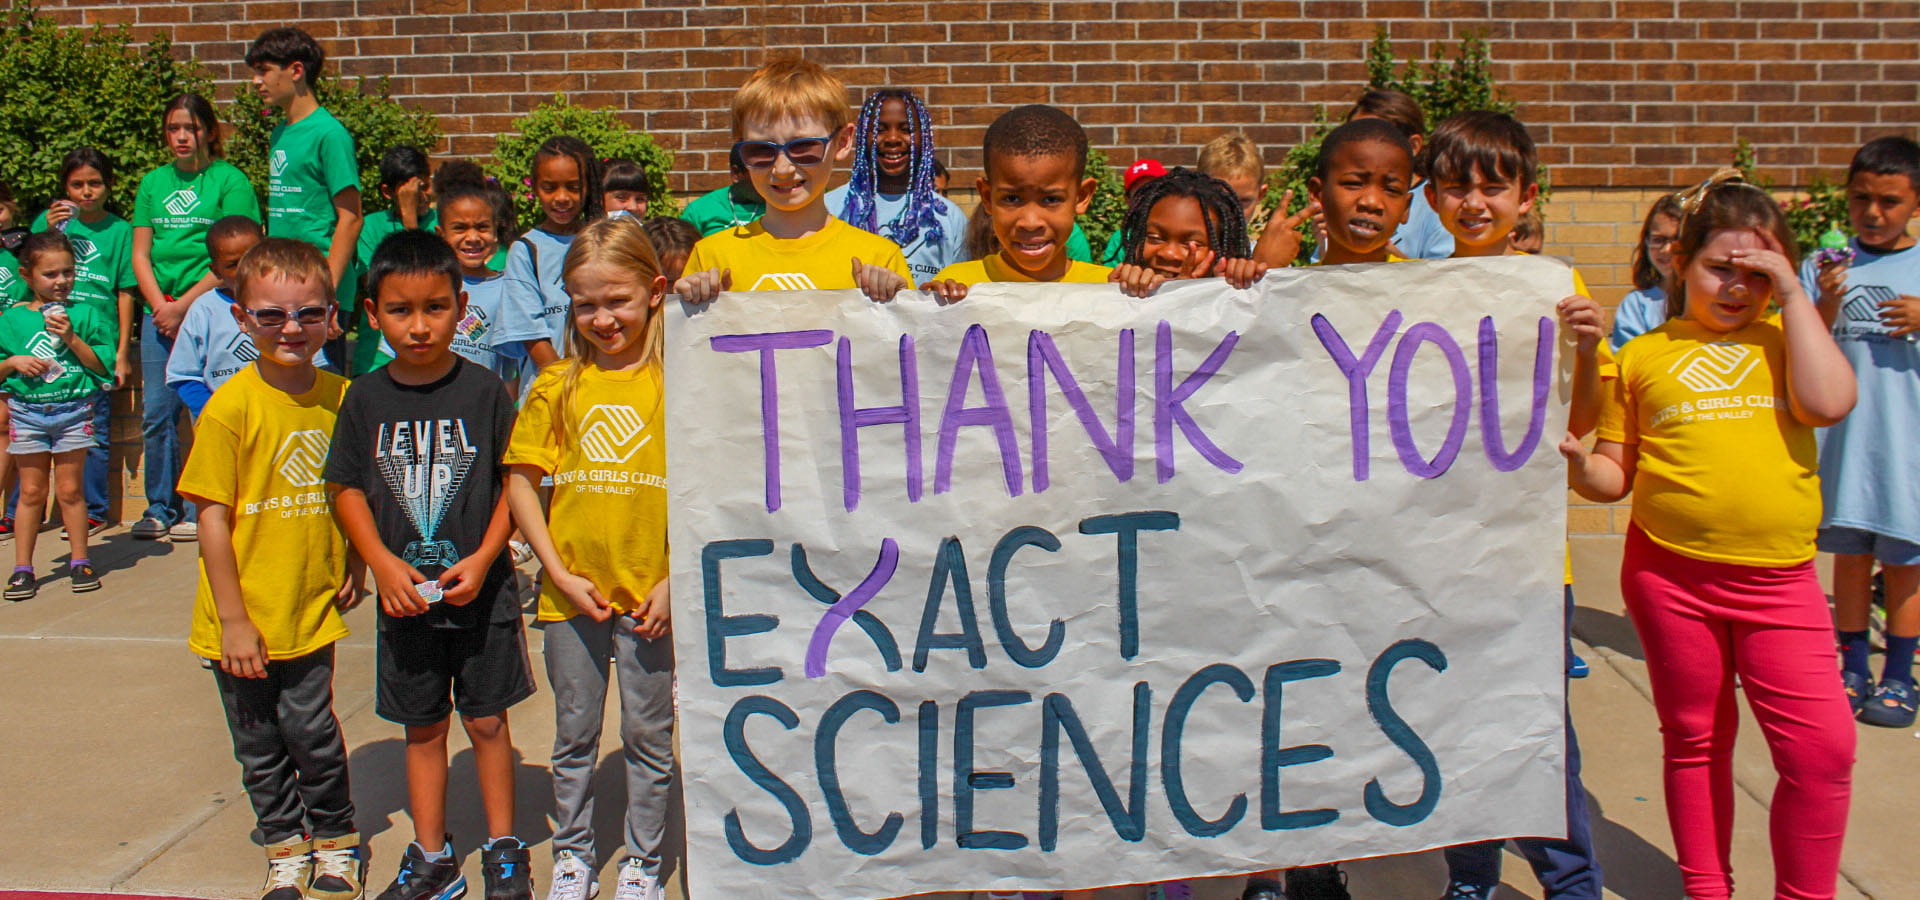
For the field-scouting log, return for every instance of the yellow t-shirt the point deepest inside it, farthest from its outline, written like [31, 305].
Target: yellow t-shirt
[824, 259]
[1726, 473]
[261, 452]
[609, 468]
[993, 268]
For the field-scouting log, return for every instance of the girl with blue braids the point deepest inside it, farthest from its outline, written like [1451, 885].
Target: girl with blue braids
[891, 192]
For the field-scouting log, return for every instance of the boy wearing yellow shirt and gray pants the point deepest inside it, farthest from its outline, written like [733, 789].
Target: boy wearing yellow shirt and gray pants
[273, 574]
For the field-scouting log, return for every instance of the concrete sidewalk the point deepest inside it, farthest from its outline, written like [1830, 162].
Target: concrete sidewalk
[116, 772]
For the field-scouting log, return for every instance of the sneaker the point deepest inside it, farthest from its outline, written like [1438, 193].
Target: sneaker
[289, 868]
[1892, 705]
[1263, 889]
[184, 531]
[421, 878]
[6, 527]
[94, 526]
[1467, 890]
[1317, 883]
[84, 578]
[504, 864]
[339, 871]
[572, 878]
[149, 529]
[1858, 687]
[1578, 668]
[636, 883]
[22, 586]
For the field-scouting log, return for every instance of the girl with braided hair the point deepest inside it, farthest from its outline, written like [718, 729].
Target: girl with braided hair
[891, 191]
[1184, 224]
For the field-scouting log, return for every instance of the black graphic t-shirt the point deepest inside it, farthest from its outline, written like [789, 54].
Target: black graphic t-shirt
[428, 458]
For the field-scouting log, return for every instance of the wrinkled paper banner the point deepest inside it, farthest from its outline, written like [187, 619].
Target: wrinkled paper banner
[1051, 588]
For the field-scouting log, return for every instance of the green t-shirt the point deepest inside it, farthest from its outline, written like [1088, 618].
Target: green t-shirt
[1110, 257]
[23, 332]
[179, 208]
[13, 287]
[715, 211]
[311, 161]
[1078, 247]
[377, 227]
[102, 263]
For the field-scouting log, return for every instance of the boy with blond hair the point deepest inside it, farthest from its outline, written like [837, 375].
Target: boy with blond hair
[1234, 159]
[790, 127]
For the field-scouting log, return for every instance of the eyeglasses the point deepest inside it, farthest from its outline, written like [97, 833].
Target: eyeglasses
[763, 154]
[275, 317]
[1660, 241]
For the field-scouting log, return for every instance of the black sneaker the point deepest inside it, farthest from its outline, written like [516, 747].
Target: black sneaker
[423, 879]
[1317, 883]
[84, 578]
[504, 863]
[1263, 889]
[6, 528]
[94, 526]
[22, 586]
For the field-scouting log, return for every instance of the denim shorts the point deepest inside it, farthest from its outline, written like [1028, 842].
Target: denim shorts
[49, 427]
[1890, 551]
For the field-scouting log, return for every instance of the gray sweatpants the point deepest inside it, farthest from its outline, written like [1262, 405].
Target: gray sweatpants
[577, 651]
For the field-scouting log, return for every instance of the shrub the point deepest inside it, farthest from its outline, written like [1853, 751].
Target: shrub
[66, 87]
[366, 107]
[1823, 209]
[610, 138]
[1109, 207]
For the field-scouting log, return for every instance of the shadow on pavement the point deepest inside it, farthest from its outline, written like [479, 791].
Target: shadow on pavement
[1613, 631]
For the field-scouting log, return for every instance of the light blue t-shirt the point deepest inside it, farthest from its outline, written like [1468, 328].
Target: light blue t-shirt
[536, 302]
[1870, 462]
[473, 338]
[210, 348]
[1639, 312]
[1423, 237]
[924, 257]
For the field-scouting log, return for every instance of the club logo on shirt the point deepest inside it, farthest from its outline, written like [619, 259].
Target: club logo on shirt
[241, 347]
[612, 434]
[83, 250]
[182, 201]
[6, 277]
[783, 281]
[279, 163]
[424, 463]
[1860, 308]
[1712, 368]
[44, 346]
[302, 457]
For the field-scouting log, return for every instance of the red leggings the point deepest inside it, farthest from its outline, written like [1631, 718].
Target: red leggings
[1702, 622]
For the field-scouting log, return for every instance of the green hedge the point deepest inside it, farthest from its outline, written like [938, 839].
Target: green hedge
[610, 138]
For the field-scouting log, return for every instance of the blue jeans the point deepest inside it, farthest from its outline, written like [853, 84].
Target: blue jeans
[158, 425]
[94, 481]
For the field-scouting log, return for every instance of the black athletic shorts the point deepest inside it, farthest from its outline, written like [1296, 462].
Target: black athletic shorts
[427, 673]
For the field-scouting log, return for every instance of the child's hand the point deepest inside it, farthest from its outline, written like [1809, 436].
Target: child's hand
[59, 211]
[1241, 273]
[243, 653]
[582, 594]
[1136, 281]
[879, 283]
[349, 595]
[461, 582]
[122, 370]
[58, 324]
[1582, 318]
[31, 366]
[946, 290]
[1901, 315]
[1280, 242]
[654, 618]
[702, 287]
[394, 580]
[1832, 282]
[1771, 262]
[167, 317]
[1573, 450]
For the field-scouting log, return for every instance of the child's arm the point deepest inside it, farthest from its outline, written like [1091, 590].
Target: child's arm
[348, 596]
[30, 366]
[393, 579]
[523, 495]
[193, 393]
[879, 283]
[346, 233]
[143, 268]
[1581, 317]
[1603, 475]
[62, 328]
[243, 653]
[541, 352]
[122, 359]
[1820, 383]
[1831, 282]
[461, 582]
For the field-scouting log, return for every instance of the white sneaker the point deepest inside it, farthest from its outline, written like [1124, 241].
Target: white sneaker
[184, 531]
[572, 879]
[635, 883]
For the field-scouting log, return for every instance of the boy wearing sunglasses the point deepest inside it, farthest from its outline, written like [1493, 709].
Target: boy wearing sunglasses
[274, 573]
[790, 126]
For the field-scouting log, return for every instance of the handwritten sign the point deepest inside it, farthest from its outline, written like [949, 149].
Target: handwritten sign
[1052, 588]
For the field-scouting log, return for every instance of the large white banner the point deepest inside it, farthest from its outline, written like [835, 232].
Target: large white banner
[1052, 588]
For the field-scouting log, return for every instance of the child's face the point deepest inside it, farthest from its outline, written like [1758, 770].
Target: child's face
[1364, 195]
[50, 277]
[1033, 201]
[276, 84]
[1532, 243]
[417, 313]
[632, 202]
[673, 265]
[559, 188]
[1879, 208]
[611, 307]
[287, 319]
[1721, 296]
[1176, 230]
[790, 185]
[1480, 211]
[87, 188]
[224, 256]
[467, 225]
[183, 134]
[1246, 189]
[1661, 233]
[940, 180]
[893, 139]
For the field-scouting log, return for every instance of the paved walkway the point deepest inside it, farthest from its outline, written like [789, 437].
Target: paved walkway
[115, 771]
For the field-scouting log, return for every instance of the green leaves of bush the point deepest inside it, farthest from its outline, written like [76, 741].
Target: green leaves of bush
[1109, 207]
[366, 107]
[611, 138]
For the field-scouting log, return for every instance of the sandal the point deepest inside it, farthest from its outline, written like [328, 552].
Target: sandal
[1892, 706]
[1859, 687]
